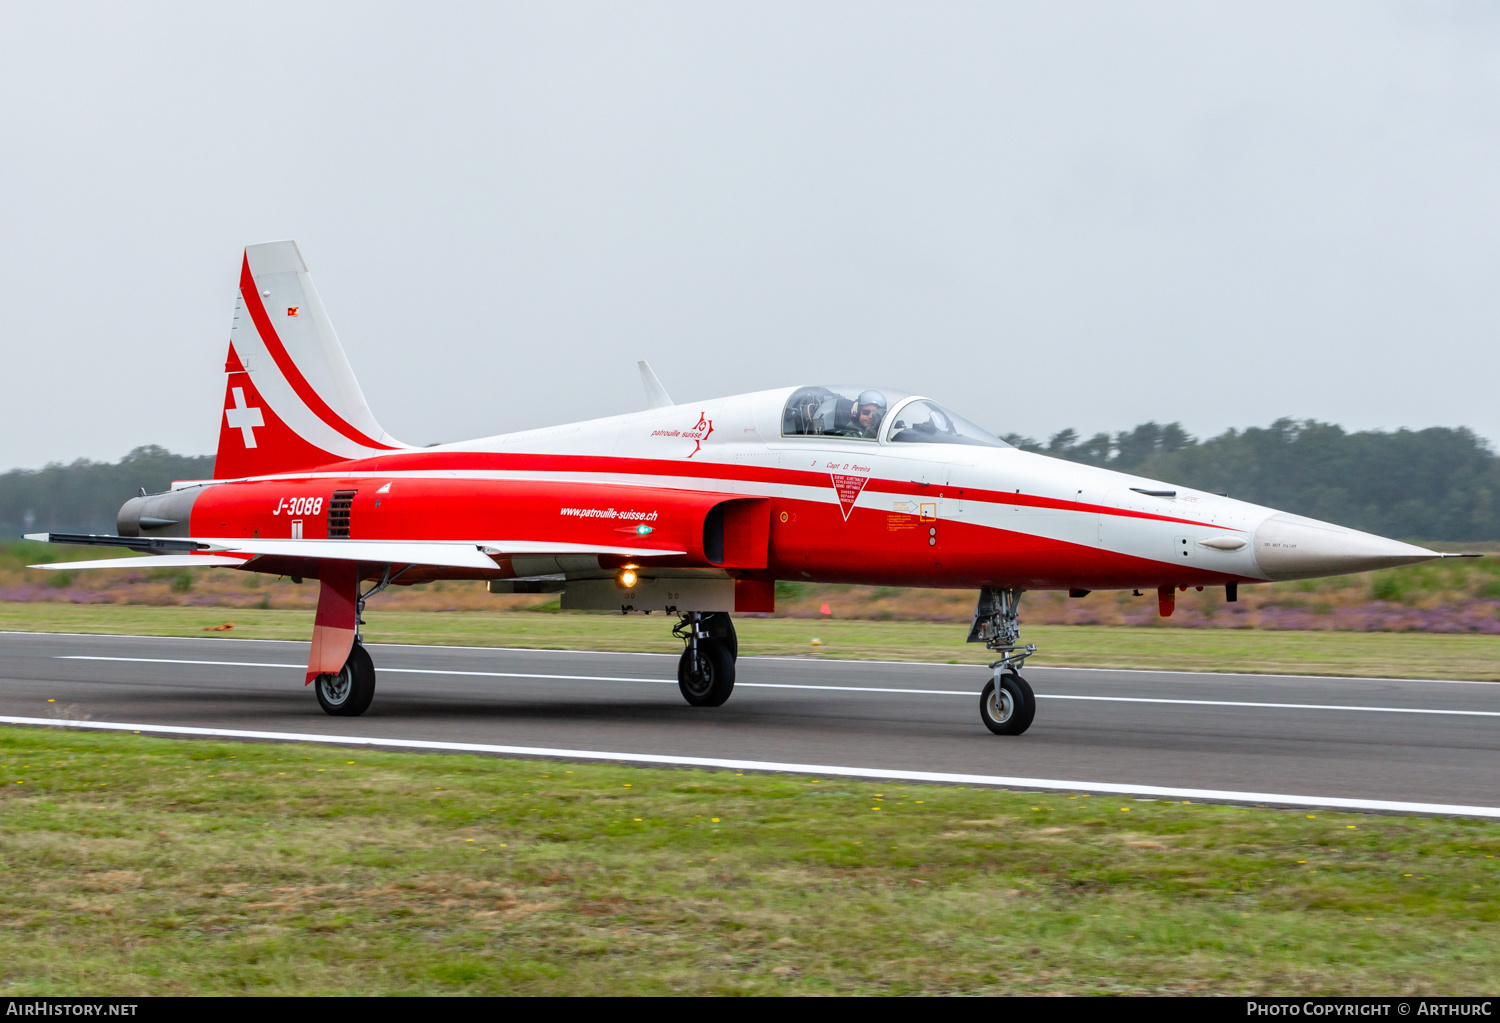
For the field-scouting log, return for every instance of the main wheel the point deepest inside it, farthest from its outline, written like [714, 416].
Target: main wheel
[348, 694]
[1008, 708]
[708, 679]
[720, 627]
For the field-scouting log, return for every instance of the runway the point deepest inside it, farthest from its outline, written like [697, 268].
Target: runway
[1330, 740]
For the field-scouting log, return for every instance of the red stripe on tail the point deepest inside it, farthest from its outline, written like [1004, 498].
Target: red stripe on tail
[288, 366]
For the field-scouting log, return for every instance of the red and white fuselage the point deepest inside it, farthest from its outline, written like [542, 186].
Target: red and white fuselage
[297, 431]
[696, 507]
[836, 510]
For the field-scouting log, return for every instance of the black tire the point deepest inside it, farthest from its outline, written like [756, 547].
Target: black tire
[720, 627]
[711, 680]
[1011, 712]
[348, 694]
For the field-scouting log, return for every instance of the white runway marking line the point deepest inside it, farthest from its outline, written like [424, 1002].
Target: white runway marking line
[884, 774]
[401, 671]
[768, 657]
[837, 689]
[525, 674]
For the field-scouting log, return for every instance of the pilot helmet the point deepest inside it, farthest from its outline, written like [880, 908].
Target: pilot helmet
[871, 398]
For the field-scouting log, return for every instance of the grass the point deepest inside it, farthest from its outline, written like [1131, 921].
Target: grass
[136, 865]
[1401, 655]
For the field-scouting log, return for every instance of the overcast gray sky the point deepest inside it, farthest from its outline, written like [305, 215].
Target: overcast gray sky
[1045, 214]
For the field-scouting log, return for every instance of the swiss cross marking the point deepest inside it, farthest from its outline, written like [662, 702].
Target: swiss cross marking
[244, 419]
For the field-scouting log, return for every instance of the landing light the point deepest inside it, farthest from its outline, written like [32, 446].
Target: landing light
[627, 578]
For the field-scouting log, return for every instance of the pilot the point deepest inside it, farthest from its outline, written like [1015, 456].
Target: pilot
[869, 410]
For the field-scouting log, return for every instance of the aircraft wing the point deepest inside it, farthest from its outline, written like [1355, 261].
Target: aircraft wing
[440, 553]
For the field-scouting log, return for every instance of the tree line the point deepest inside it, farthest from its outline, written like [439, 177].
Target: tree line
[1433, 484]
[85, 496]
[1436, 484]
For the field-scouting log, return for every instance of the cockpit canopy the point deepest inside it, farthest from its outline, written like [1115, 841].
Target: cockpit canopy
[836, 412]
[877, 413]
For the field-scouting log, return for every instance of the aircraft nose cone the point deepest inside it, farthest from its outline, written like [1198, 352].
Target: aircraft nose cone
[1293, 547]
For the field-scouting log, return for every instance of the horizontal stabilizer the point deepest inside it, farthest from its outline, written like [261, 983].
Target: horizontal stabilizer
[165, 561]
[144, 544]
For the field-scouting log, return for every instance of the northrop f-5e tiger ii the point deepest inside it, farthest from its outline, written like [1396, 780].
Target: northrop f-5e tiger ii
[692, 510]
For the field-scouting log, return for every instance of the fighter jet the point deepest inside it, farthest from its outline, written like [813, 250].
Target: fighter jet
[694, 510]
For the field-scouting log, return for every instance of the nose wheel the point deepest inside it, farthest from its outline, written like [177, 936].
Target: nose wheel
[706, 676]
[1007, 704]
[705, 672]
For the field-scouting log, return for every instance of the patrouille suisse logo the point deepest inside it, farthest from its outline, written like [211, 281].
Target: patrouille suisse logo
[698, 434]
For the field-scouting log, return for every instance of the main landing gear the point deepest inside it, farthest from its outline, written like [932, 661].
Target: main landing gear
[705, 672]
[348, 694]
[1007, 704]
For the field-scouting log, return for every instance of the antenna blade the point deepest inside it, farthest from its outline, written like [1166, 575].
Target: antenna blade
[656, 394]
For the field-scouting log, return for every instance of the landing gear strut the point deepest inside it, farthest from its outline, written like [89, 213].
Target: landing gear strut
[705, 673]
[348, 692]
[1007, 703]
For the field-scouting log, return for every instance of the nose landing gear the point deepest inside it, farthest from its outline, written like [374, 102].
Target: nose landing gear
[1007, 704]
[705, 672]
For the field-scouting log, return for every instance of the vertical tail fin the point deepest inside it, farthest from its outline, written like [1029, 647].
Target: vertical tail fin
[291, 400]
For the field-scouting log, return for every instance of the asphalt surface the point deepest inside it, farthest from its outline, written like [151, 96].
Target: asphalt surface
[1380, 739]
